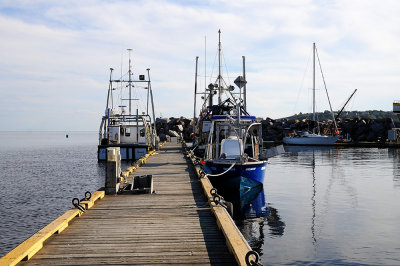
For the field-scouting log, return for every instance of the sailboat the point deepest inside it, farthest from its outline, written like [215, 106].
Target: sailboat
[228, 139]
[313, 138]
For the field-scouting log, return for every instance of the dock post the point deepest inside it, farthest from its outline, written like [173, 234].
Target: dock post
[113, 170]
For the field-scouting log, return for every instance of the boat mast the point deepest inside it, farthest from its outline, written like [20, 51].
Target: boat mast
[219, 67]
[110, 90]
[314, 85]
[130, 81]
[195, 90]
[152, 104]
[244, 87]
[205, 67]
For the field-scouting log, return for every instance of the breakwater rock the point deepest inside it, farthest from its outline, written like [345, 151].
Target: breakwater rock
[172, 126]
[374, 130]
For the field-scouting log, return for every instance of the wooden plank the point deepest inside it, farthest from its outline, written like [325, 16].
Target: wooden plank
[237, 244]
[173, 226]
[32, 245]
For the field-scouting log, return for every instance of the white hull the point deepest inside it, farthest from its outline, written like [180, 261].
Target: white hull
[317, 140]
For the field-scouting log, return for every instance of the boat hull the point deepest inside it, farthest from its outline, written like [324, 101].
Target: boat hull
[241, 177]
[315, 140]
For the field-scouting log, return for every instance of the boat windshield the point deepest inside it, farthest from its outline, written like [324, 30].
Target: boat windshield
[231, 147]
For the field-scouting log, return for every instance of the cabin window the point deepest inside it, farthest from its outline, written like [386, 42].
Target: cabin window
[127, 132]
[231, 147]
[142, 132]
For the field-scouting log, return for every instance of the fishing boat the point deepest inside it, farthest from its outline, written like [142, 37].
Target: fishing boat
[228, 139]
[124, 126]
[314, 137]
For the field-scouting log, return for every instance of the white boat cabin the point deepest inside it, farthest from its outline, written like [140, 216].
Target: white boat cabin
[128, 134]
[231, 148]
[231, 140]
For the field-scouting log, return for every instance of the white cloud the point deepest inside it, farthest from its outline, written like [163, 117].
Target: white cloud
[56, 55]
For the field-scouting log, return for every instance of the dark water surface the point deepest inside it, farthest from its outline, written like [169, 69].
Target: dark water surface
[330, 206]
[40, 173]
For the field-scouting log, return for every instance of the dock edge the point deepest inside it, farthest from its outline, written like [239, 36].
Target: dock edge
[235, 241]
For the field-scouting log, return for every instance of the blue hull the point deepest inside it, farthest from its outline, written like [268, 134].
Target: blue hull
[252, 204]
[241, 177]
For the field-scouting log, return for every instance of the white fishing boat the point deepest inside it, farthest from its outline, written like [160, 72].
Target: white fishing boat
[314, 137]
[131, 129]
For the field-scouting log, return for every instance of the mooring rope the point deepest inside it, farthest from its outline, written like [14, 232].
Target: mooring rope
[223, 172]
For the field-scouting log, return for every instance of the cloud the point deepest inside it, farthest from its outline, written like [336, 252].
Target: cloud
[56, 55]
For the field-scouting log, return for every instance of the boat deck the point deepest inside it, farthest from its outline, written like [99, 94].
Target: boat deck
[173, 226]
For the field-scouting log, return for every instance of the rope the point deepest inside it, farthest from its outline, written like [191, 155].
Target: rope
[326, 90]
[223, 172]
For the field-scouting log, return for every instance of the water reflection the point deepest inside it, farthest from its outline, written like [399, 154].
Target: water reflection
[247, 203]
[311, 150]
[307, 156]
[253, 215]
[313, 201]
[394, 154]
[251, 204]
[275, 224]
[335, 202]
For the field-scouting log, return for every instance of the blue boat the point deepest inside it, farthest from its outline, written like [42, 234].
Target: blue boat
[227, 137]
[232, 158]
[241, 177]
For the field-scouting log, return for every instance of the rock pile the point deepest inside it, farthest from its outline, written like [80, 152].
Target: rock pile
[356, 129]
[172, 126]
[373, 130]
[367, 129]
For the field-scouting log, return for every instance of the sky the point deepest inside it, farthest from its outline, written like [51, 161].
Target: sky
[55, 55]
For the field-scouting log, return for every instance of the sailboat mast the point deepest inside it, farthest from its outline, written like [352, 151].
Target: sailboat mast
[314, 82]
[130, 82]
[219, 67]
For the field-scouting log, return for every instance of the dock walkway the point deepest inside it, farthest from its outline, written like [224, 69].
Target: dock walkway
[172, 226]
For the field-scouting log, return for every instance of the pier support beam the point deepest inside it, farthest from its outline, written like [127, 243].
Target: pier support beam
[113, 170]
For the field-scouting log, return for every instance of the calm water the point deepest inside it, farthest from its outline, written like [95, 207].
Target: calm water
[330, 206]
[40, 173]
[325, 206]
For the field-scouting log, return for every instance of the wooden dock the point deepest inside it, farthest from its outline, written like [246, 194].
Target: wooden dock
[175, 225]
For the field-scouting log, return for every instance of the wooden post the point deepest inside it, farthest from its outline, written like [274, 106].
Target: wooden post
[113, 170]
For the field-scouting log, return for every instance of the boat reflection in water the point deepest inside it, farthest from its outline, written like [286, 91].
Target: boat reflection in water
[251, 213]
[251, 204]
